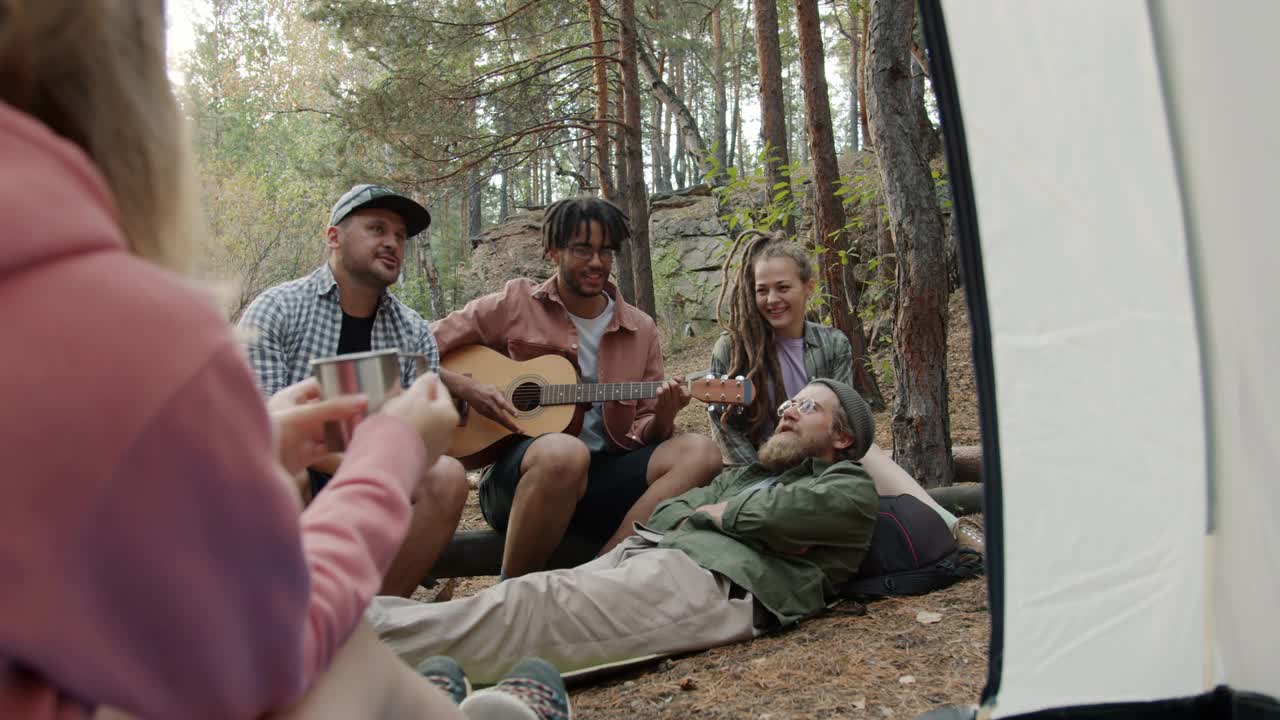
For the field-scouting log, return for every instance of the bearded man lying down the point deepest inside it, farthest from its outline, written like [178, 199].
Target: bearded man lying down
[765, 544]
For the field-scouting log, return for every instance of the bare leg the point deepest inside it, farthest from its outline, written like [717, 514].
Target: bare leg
[678, 465]
[365, 680]
[553, 478]
[437, 508]
[891, 479]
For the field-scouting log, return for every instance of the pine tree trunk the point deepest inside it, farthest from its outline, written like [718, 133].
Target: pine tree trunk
[829, 220]
[680, 164]
[855, 53]
[862, 79]
[548, 183]
[772, 114]
[927, 138]
[921, 419]
[656, 149]
[475, 219]
[637, 194]
[719, 133]
[535, 179]
[684, 118]
[601, 73]
[623, 271]
[734, 125]
[665, 157]
[427, 264]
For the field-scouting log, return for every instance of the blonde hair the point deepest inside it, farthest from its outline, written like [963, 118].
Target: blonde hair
[94, 72]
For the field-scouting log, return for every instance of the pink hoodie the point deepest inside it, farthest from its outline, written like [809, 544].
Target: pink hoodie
[152, 556]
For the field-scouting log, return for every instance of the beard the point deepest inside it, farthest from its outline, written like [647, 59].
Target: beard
[570, 279]
[784, 450]
[371, 273]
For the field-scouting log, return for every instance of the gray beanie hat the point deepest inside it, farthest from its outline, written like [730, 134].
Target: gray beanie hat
[861, 424]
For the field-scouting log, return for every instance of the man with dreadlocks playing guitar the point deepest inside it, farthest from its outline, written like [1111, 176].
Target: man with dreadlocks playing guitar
[598, 482]
[769, 341]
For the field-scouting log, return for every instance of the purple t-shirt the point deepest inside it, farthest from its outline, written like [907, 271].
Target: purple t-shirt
[791, 362]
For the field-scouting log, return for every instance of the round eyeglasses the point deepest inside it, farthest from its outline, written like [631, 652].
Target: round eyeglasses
[805, 406]
[584, 252]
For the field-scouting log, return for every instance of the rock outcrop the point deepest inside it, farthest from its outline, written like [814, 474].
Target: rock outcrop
[687, 240]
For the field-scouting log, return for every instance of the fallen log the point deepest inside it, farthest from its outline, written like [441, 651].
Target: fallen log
[473, 553]
[959, 499]
[967, 461]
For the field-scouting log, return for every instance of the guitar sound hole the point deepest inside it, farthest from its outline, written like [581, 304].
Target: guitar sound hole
[526, 396]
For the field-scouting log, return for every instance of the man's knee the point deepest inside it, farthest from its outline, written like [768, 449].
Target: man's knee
[445, 484]
[699, 456]
[556, 463]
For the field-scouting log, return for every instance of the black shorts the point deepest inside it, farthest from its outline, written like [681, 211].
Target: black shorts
[615, 481]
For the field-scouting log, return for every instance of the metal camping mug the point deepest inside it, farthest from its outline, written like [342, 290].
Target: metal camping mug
[373, 374]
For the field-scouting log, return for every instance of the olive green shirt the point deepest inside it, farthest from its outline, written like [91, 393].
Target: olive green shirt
[789, 542]
[827, 354]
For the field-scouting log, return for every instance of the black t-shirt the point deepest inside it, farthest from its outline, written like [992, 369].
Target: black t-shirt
[356, 335]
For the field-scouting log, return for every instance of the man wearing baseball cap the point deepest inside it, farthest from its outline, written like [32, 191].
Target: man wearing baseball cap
[345, 306]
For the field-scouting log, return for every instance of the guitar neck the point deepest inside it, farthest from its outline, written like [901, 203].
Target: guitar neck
[598, 392]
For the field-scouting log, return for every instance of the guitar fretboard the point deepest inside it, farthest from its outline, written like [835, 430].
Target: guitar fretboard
[598, 392]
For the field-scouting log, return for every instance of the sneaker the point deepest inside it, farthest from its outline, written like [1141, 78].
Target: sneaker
[969, 536]
[532, 690]
[447, 675]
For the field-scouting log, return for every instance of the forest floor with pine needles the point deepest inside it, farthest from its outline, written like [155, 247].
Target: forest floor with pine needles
[884, 659]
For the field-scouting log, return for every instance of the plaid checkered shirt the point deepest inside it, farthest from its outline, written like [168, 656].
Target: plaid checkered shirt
[295, 322]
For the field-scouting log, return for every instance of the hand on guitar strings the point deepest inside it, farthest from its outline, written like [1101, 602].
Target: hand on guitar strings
[487, 400]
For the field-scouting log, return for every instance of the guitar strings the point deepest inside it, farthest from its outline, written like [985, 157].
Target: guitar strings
[535, 392]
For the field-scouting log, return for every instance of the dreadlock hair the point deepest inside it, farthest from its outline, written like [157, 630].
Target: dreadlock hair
[750, 337]
[563, 218]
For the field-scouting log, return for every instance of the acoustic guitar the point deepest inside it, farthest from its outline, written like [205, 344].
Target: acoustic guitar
[548, 398]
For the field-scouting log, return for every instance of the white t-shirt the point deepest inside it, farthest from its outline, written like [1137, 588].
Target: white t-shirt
[590, 330]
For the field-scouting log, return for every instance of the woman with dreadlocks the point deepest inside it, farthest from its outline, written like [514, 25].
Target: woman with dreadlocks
[767, 340]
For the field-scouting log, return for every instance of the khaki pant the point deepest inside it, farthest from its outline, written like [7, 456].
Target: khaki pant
[633, 601]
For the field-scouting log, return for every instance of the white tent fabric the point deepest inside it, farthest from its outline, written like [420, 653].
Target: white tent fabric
[1108, 228]
[1220, 67]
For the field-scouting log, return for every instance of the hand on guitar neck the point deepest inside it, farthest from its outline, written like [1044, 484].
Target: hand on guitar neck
[673, 396]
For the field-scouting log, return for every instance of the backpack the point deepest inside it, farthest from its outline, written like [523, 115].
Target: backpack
[912, 552]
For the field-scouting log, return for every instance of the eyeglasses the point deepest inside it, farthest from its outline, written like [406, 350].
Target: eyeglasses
[805, 406]
[584, 252]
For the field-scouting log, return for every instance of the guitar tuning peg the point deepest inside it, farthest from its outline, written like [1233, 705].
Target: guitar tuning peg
[739, 378]
[724, 377]
[711, 376]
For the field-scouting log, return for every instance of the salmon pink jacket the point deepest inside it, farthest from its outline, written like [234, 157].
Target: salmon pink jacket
[153, 556]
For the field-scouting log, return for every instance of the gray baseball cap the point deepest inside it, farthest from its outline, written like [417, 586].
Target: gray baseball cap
[416, 218]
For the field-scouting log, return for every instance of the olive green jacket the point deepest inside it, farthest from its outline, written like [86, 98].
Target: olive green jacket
[827, 354]
[789, 538]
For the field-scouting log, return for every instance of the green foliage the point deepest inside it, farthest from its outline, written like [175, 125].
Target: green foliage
[748, 203]
[667, 296]
[295, 100]
[265, 190]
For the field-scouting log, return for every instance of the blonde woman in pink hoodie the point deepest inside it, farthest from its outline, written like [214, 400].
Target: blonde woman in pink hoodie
[154, 558]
